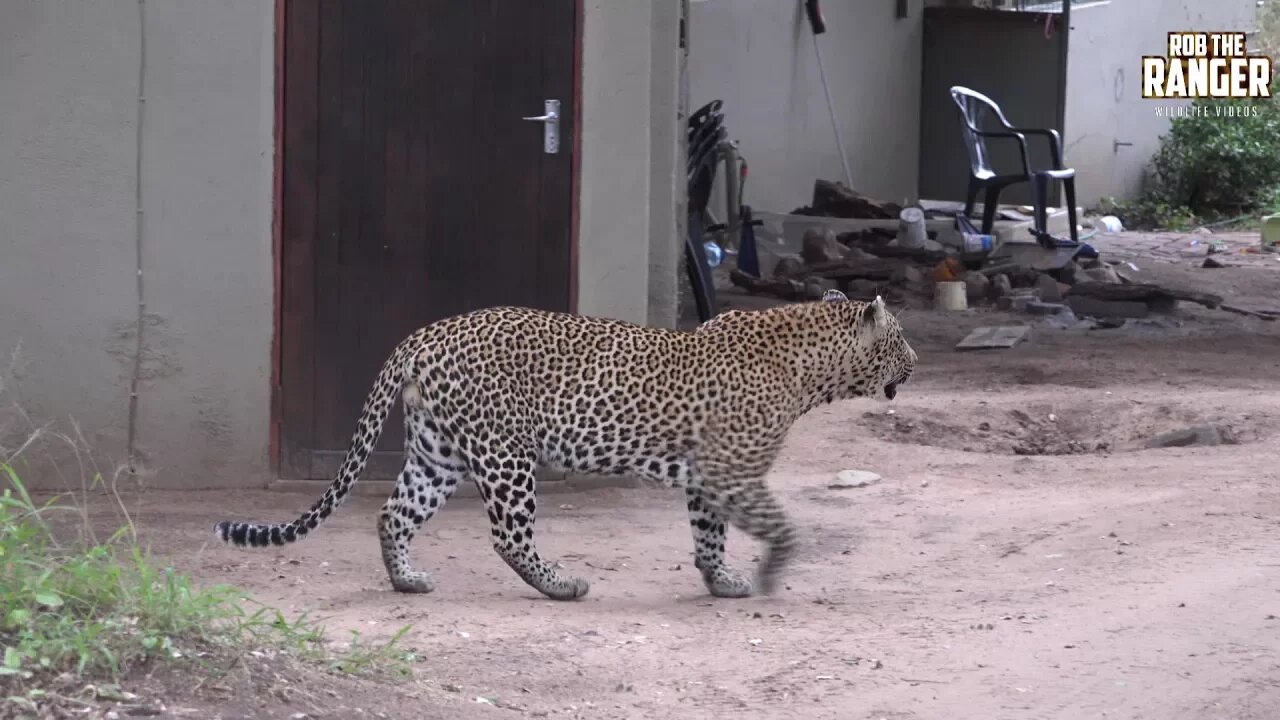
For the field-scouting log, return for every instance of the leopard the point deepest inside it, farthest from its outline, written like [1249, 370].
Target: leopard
[494, 394]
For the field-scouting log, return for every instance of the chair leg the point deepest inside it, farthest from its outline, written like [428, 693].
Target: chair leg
[704, 292]
[1069, 188]
[1041, 185]
[971, 198]
[989, 205]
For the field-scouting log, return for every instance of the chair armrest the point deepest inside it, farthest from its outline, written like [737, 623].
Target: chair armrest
[1022, 144]
[1055, 143]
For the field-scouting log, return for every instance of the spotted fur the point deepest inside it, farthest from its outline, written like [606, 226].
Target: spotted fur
[491, 395]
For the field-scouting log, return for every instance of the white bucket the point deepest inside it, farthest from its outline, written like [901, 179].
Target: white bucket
[950, 296]
[911, 229]
[1111, 223]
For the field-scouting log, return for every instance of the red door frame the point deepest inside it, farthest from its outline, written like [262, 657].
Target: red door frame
[277, 214]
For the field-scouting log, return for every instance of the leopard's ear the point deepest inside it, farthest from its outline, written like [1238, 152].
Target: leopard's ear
[874, 315]
[834, 295]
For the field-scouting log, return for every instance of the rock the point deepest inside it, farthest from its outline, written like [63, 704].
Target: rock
[1082, 305]
[1211, 263]
[789, 266]
[1037, 307]
[977, 286]
[1067, 320]
[1048, 290]
[907, 275]
[1103, 274]
[1000, 286]
[819, 245]
[847, 479]
[816, 287]
[857, 253]
[1202, 231]
[859, 289]
[1071, 273]
[1199, 435]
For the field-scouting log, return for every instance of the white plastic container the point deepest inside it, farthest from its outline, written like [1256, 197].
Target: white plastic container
[911, 229]
[950, 296]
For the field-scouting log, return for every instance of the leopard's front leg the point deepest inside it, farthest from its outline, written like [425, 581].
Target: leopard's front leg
[708, 527]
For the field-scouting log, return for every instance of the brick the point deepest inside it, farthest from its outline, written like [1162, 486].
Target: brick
[1107, 308]
[1036, 307]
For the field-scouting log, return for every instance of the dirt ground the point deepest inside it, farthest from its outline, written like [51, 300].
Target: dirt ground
[1022, 557]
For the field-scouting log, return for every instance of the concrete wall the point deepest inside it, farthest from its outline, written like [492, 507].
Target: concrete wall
[69, 80]
[1104, 94]
[628, 236]
[69, 76]
[758, 57]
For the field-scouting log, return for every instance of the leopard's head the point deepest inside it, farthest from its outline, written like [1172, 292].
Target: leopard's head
[873, 359]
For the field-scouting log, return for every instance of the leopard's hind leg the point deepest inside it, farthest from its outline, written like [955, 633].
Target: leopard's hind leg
[431, 473]
[506, 483]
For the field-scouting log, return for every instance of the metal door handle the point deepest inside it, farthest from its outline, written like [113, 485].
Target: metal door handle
[550, 126]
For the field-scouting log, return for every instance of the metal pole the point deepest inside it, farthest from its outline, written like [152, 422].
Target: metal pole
[831, 109]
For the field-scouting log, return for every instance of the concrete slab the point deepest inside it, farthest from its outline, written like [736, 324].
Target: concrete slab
[993, 338]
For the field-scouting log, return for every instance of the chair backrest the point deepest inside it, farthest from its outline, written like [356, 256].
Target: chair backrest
[705, 131]
[702, 170]
[974, 107]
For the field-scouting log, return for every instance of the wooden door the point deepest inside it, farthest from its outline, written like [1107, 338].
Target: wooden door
[410, 190]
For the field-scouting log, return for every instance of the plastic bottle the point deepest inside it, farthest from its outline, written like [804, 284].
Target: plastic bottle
[715, 255]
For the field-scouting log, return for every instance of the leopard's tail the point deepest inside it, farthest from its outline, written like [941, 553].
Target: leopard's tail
[376, 408]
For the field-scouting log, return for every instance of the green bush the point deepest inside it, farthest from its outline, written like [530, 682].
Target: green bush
[1221, 160]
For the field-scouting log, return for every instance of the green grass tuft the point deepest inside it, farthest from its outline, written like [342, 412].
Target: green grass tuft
[97, 610]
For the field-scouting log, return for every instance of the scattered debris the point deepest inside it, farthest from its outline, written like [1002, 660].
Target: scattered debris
[1070, 287]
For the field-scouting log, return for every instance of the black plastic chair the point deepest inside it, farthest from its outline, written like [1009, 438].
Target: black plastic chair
[973, 108]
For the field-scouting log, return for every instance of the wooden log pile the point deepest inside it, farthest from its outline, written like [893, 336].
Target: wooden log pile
[835, 199]
[860, 266]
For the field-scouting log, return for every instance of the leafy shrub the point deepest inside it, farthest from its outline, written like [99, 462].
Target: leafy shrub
[1221, 159]
[1147, 214]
